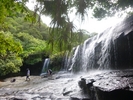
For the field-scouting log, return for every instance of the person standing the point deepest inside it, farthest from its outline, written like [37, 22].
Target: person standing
[28, 74]
[49, 72]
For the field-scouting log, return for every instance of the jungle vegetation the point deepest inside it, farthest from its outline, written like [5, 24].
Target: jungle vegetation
[24, 39]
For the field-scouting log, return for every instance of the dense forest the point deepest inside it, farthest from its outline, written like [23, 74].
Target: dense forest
[21, 42]
[26, 43]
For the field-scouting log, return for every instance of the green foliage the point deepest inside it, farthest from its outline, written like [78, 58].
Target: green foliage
[10, 8]
[56, 61]
[62, 32]
[31, 36]
[82, 35]
[61, 40]
[10, 65]
[24, 41]
[33, 48]
[60, 9]
[18, 24]
[10, 61]
[8, 45]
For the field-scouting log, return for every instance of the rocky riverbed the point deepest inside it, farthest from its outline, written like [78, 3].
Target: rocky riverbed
[58, 87]
[100, 85]
[111, 85]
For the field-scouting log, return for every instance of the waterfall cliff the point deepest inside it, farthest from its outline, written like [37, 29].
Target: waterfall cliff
[45, 65]
[111, 49]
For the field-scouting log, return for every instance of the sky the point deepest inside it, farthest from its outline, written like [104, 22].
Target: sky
[90, 24]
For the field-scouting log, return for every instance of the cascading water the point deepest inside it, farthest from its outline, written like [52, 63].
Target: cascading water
[45, 65]
[107, 50]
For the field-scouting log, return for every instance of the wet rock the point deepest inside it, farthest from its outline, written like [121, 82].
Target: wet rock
[79, 96]
[75, 98]
[90, 87]
[44, 75]
[66, 93]
[13, 80]
[118, 94]
[16, 99]
[83, 86]
[104, 85]
[111, 85]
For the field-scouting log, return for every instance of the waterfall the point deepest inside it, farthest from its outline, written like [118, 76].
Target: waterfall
[107, 50]
[74, 58]
[66, 61]
[45, 65]
[89, 56]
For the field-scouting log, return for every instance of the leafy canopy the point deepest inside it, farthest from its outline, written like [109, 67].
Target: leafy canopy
[11, 8]
[62, 29]
[10, 61]
[13, 51]
[32, 47]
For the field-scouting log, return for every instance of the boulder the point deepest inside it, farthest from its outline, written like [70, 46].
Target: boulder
[111, 85]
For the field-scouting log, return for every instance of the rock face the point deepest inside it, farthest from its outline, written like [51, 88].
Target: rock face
[112, 49]
[111, 85]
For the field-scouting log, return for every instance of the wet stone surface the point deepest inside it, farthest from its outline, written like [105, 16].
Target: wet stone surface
[111, 85]
[112, 80]
[100, 85]
[58, 87]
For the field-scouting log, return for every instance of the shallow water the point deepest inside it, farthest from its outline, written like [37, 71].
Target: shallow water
[63, 85]
[58, 87]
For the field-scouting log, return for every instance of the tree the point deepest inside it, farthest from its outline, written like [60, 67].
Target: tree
[59, 11]
[18, 24]
[11, 8]
[10, 61]
[33, 48]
